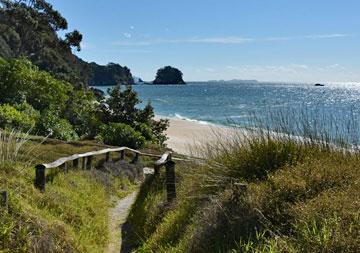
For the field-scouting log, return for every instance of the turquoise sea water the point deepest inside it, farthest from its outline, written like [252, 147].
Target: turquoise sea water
[221, 103]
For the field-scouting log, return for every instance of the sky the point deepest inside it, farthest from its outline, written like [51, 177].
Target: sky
[267, 40]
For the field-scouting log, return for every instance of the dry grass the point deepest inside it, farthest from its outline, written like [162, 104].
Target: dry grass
[301, 196]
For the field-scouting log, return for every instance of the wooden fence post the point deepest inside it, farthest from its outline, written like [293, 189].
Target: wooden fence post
[107, 157]
[76, 163]
[88, 163]
[40, 177]
[135, 159]
[122, 154]
[64, 167]
[170, 180]
[156, 169]
[4, 199]
[83, 163]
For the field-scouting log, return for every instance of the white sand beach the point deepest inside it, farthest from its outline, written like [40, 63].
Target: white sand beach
[184, 134]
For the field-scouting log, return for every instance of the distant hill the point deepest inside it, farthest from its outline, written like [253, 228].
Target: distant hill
[169, 75]
[30, 29]
[110, 74]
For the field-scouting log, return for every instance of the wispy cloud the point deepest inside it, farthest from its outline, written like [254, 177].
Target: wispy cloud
[219, 40]
[225, 40]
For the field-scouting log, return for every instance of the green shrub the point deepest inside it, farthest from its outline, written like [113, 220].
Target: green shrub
[12, 118]
[145, 131]
[54, 126]
[81, 111]
[21, 81]
[120, 134]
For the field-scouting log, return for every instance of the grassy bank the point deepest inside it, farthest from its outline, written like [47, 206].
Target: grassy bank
[71, 216]
[300, 196]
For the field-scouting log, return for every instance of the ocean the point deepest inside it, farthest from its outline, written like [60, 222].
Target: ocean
[226, 103]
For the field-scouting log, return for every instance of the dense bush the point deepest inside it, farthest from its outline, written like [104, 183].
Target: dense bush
[54, 126]
[11, 117]
[124, 108]
[21, 81]
[67, 113]
[145, 131]
[120, 134]
[82, 112]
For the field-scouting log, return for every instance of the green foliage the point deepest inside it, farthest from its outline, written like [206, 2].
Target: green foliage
[299, 197]
[67, 113]
[21, 81]
[82, 112]
[22, 119]
[71, 216]
[145, 131]
[124, 108]
[53, 126]
[14, 80]
[169, 75]
[120, 134]
[122, 105]
[110, 74]
[45, 91]
[159, 127]
[30, 29]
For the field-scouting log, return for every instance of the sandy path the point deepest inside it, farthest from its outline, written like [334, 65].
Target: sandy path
[117, 217]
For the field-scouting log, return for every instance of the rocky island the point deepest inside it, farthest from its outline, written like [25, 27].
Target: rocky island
[169, 75]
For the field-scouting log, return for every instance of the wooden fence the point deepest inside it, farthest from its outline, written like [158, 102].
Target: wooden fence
[86, 160]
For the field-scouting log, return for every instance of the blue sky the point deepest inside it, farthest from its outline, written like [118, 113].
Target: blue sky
[270, 40]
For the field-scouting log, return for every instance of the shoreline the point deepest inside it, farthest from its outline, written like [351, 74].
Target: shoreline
[184, 135]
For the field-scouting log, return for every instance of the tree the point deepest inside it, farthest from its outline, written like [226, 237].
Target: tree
[22, 81]
[122, 105]
[73, 39]
[29, 28]
[82, 112]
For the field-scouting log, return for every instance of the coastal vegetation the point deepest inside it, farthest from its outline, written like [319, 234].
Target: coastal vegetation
[71, 216]
[169, 75]
[257, 191]
[33, 101]
[30, 29]
[288, 183]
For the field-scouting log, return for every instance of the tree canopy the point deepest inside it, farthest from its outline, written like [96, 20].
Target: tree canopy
[29, 28]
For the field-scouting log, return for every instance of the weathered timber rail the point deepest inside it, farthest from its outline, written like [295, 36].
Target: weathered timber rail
[166, 160]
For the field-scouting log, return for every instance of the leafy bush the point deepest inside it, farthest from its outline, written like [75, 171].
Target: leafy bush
[54, 126]
[123, 107]
[81, 111]
[12, 118]
[21, 81]
[145, 131]
[120, 134]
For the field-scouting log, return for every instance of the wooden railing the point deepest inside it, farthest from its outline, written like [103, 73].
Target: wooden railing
[87, 164]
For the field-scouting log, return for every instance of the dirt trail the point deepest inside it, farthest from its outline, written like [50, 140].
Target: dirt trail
[117, 217]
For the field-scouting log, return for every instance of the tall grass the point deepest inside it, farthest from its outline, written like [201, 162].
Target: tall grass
[11, 143]
[71, 216]
[302, 180]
